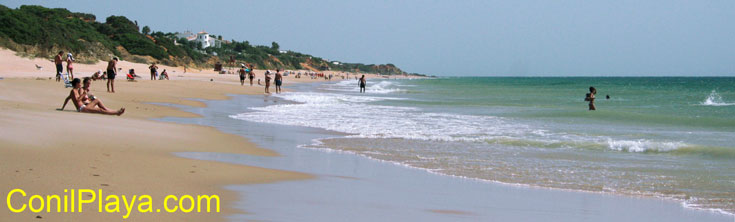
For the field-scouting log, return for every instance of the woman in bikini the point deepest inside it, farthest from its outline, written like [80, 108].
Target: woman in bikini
[267, 81]
[69, 67]
[251, 75]
[591, 98]
[86, 103]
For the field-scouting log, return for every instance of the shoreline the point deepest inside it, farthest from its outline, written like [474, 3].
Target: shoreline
[47, 151]
[42, 137]
[335, 172]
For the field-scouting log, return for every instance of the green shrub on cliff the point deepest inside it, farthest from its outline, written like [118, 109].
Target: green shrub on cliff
[48, 28]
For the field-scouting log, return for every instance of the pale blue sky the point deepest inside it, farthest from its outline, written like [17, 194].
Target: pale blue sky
[511, 38]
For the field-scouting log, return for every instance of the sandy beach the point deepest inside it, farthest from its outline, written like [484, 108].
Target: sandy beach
[45, 150]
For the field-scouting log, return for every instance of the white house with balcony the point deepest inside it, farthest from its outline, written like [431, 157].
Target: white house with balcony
[203, 38]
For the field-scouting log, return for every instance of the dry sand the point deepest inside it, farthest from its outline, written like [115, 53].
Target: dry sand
[44, 150]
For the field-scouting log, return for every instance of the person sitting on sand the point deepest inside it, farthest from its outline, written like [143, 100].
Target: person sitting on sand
[362, 82]
[278, 80]
[86, 103]
[164, 74]
[591, 98]
[97, 75]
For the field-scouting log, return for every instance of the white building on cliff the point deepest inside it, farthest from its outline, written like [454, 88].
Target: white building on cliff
[205, 39]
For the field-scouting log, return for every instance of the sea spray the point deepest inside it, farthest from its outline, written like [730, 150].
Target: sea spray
[715, 99]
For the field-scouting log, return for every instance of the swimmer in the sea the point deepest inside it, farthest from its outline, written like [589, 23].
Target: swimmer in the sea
[591, 98]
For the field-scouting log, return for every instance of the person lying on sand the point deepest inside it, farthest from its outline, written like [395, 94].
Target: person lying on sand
[97, 75]
[87, 103]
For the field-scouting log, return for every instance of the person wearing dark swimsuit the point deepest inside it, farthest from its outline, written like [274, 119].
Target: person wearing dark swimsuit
[242, 74]
[362, 83]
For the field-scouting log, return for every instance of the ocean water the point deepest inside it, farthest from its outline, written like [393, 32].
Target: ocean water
[657, 137]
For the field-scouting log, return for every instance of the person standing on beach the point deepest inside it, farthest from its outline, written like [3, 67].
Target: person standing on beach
[111, 72]
[59, 66]
[69, 67]
[278, 80]
[591, 98]
[242, 74]
[251, 74]
[362, 82]
[154, 70]
[267, 81]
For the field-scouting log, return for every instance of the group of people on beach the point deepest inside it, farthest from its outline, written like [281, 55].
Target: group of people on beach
[278, 80]
[247, 71]
[58, 60]
[154, 72]
[84, 102]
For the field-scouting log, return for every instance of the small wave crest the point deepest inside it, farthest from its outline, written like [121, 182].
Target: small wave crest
[380, 87]
[715, 99]
[355, 115]
[640, 146]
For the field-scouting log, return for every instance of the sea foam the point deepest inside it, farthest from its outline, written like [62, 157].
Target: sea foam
[360, 117]
[714, 99]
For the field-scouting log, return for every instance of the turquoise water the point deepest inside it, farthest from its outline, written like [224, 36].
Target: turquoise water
[658, 137]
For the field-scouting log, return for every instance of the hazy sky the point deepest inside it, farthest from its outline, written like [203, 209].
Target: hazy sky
[518, 37]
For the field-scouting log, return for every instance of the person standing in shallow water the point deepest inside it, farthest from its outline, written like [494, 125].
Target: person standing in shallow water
[267, 81]
[362, 82]
[591, 98]
[278, 80]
